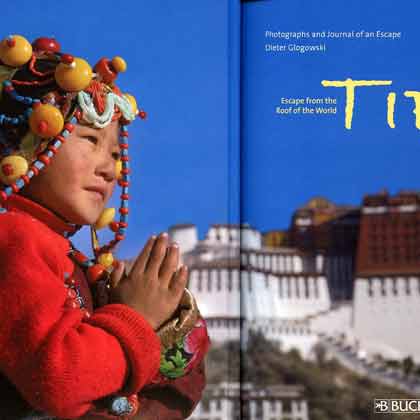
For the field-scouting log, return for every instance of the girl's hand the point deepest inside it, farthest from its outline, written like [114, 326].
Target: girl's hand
[154, 286]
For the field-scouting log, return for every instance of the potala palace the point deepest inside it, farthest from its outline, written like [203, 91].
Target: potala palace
[337, 271]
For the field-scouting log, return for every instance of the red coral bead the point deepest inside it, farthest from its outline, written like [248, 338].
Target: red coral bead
[123, 210]
[46, 44]
[69, 127]
[103, 67]
[78, 114]
[94, 273]
[44, 159]
[61, 138]
[142, 115]
[34, 169]
[125, 158]
[11, 42]
[7, 169]
[114, 226]
[67, 58]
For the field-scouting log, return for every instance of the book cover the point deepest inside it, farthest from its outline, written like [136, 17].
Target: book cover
[329, 149]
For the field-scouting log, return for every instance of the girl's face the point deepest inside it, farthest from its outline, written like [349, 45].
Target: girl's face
[81, 177]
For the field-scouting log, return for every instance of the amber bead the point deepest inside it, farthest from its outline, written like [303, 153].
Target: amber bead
[11, 168]
[46, 121]
[132, 100]
[74, 77]
[15, 51]
[106, 217]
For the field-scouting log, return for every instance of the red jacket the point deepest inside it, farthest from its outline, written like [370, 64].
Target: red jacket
[58, 359]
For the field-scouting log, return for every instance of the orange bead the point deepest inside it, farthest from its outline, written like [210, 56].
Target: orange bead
[46, 121]
[74, 77]
[15, 51]
[119, 64]
[132, 100]
[106, 259]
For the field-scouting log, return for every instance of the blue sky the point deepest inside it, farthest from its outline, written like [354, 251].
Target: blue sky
[177, 56]
[184, 153]
[286, 161]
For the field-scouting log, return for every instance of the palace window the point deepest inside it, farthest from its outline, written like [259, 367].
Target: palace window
[230, 274]
[219, 281]
[394, 287]
[200, 281]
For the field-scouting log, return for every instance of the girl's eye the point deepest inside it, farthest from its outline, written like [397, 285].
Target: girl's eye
[92, 139]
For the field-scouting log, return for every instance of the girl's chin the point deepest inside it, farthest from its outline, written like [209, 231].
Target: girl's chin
[85, 219]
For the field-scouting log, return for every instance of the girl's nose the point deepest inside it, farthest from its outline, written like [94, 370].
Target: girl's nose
[106, 167]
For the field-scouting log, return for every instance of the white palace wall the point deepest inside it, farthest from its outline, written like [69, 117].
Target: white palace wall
[221, 292]
[217, 291]
[386, 315]
[335, 322]
[292, 296]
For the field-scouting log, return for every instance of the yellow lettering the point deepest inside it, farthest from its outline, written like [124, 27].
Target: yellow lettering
[416, 96]
[390, 109]
[350, 86]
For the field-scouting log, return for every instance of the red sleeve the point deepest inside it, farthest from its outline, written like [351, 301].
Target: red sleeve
[58, 360]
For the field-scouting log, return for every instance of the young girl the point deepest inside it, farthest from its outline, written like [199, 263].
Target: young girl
[80, 338]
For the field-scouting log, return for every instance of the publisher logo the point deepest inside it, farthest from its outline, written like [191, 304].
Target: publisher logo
[397, 406]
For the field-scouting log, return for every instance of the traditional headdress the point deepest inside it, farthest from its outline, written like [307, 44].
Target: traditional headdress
[44, 93]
